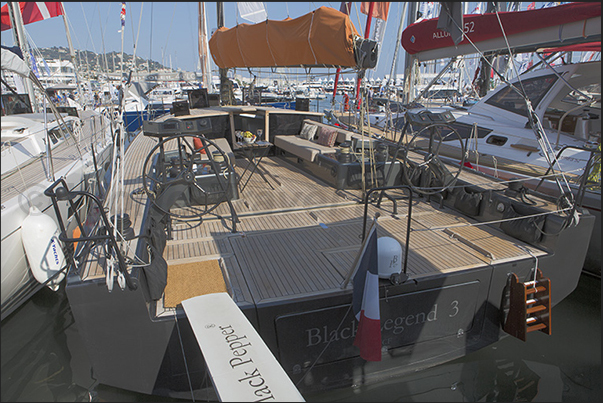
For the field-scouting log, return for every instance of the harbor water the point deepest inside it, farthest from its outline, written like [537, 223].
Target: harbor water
[562, 367]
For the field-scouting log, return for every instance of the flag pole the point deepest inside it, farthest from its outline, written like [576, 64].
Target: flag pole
[123, 27]
[359, 255]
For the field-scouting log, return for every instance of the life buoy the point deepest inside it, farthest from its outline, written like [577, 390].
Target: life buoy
[40, 238]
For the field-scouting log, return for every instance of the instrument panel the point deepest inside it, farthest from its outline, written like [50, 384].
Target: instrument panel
[171, 127]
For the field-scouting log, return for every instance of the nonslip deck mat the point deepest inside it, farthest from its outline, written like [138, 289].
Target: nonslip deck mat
[192, 279]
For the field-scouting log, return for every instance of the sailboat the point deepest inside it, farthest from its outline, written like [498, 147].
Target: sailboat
[37, 149]
[221, 245]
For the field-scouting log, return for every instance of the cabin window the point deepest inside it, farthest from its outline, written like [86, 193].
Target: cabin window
[496, 140]
[466, 131]
[56, 134]
[535, 89]
[576, 97]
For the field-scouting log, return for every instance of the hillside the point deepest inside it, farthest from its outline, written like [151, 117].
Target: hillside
[97, 63]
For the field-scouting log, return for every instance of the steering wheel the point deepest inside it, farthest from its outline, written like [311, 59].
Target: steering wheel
[180, 170]
[426, 143]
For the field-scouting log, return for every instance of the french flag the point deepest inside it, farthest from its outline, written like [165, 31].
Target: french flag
[365, 300]
[32, 12]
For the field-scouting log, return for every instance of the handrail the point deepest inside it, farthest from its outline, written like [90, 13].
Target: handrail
[395, 278]
[582, 187]
[63, 193]
[568, 112]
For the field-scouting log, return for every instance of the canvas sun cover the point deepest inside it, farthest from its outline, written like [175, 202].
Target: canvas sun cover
[526, 31]
[322, 38]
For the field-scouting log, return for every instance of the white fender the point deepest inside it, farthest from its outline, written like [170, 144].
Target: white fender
[40, 237]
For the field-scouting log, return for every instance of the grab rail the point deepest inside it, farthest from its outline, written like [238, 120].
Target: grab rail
[584, 179]
[402, 276]
[64, 194]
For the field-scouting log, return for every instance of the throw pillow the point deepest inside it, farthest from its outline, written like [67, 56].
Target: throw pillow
[327, 137]
[308, 131]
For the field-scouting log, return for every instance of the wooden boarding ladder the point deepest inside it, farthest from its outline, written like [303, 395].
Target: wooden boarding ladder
[530, 306]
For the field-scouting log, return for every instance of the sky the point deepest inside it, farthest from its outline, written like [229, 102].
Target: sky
[167, 32]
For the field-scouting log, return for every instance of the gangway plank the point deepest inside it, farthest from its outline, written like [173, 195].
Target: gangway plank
[242, 367]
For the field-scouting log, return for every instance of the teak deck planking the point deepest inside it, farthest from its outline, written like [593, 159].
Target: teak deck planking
[302, 237]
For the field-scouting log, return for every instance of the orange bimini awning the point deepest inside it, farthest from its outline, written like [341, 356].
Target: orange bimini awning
[323, 38]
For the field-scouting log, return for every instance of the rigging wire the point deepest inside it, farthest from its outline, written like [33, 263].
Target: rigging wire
[538, 130]
[88, 28]
[137, 36]
[151, 35]
[536, 125]
[169, 31]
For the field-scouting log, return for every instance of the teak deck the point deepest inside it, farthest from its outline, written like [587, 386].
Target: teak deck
[303, 236]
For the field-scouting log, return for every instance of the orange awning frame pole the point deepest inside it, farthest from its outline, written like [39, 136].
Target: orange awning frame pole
[367, 32]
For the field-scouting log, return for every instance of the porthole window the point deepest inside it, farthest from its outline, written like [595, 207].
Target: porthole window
[496, 140]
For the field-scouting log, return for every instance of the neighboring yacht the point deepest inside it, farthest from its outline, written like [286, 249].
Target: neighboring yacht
[497, 137]
[38, 148]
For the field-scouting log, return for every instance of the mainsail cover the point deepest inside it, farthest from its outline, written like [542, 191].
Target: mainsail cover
[526, 31]
[322, 38]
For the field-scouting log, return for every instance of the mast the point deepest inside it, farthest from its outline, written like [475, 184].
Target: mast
[204, 48]
[488, 58]
[225, 84]
[409, 60]
[123, 28]
[134, 66]
[395, 59]
[72, 53]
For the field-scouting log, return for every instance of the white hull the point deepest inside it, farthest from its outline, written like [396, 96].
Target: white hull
[500, 142]
[78, 172]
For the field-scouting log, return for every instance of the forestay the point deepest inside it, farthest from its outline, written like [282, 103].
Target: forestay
[242, 367]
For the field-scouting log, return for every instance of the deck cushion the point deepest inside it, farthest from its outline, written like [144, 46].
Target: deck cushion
[342, 135]
[308, 131]
[302, 148]
[327, 137]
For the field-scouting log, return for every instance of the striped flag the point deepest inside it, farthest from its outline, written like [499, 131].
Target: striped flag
[365, 299]
[123, 14]
[32, 12]
[380, 9]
